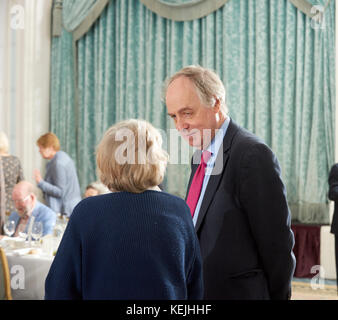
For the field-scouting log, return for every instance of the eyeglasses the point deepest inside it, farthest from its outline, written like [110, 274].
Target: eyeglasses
[21, 200]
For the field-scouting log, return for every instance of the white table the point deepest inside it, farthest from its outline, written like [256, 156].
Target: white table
[28, 274]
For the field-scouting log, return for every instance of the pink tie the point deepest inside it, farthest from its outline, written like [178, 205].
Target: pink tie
[197, 182]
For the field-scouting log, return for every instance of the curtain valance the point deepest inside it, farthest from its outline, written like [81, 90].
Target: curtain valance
[77, 16]
[74, 12]
[183, 10]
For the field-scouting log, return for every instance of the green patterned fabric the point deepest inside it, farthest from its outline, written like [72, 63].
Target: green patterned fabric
[311, 7]
[63, 120]
[276, 63]
[183, 10]
[74, 12]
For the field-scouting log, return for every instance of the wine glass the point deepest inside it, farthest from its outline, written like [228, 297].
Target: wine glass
[22, 232]
[9, 227]
[37, 231]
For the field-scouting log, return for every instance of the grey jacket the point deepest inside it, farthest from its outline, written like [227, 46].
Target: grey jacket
[61, 186]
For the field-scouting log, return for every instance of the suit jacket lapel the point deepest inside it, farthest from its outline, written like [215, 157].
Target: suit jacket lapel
[217, 173]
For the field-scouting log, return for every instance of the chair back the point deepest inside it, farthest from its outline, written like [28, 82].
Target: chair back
[5, 280]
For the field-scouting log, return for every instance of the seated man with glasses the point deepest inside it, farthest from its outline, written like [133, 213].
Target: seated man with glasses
[27, 205]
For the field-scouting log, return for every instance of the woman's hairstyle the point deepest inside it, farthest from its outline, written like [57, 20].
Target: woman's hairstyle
[130, 157]
[207, 83]
[4, 144]
[48, 140]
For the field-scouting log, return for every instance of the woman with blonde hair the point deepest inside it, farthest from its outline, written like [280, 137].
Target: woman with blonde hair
[136, 242]
[10, 174]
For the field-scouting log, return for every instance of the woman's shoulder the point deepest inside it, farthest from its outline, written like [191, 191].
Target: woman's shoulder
[169, 197]
[11, 159]
[89, 207]
[171, 201]
[159, 194]
[61, 158]
[93, 201]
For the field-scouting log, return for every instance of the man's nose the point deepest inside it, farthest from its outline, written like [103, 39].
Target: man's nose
[181, 124]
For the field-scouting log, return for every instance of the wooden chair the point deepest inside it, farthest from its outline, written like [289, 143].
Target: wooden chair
[5, 279]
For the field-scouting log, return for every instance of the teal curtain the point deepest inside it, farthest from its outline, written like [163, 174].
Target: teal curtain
[277, 66]
[74, 12]
[63, 120]
[279, 75]
[64, 94]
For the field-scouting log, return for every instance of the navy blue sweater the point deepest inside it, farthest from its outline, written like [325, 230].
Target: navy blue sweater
[128, 246]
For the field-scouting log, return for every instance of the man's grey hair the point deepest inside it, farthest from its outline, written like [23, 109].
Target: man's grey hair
[208, 85]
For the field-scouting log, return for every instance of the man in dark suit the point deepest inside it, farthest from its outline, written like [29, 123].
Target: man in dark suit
[241, 213]
[333, 195]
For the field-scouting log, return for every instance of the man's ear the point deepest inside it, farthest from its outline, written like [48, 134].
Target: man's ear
[217, 105]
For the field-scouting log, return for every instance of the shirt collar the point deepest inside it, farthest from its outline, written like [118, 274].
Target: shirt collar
[218, 140]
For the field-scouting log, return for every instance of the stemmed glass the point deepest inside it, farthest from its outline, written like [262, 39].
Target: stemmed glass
[22, 232]
[37, 231]
[9, 227]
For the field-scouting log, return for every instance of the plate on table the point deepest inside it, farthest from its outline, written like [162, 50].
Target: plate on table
[12, 242]
[27, 251]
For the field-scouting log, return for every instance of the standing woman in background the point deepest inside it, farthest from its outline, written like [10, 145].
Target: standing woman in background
[60, 186]
[10, 174]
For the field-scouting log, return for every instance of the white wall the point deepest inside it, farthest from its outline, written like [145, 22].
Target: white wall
[24, 77]
[4, 117]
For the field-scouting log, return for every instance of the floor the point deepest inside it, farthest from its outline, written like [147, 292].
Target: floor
[314, 289]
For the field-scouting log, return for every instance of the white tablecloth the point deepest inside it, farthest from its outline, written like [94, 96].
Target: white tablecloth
[28, 274]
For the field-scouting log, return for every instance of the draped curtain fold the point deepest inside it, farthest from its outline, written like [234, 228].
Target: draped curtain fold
[277, 65]
[62, 95]
[74, 12]
[68, 17]
[185, 10]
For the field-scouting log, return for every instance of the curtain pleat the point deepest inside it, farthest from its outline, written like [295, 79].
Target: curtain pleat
[74, 12]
